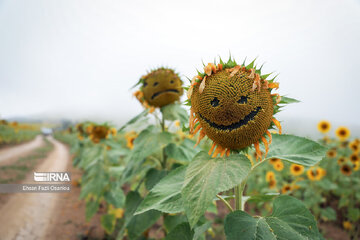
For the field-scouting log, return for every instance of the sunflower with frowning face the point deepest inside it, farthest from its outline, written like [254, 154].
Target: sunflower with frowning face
[234, 106]
[159, 87]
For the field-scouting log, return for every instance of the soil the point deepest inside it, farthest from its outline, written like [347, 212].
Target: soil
[10, 154]
[28, 215]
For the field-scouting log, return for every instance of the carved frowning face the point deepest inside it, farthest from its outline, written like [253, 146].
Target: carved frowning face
[231, 114]
[162, 87]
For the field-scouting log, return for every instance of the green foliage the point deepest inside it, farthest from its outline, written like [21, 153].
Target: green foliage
[206, 176]
[295, 149]
[175, 112]
[166, 195]
[290, 219]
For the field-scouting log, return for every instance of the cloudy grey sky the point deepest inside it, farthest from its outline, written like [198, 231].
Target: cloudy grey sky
[79, 58]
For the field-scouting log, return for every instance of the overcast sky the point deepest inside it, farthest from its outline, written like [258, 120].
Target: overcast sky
[79, 58]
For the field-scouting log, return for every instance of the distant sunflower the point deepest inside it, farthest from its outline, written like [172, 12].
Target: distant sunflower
[324, 126]
[354, 145]
[342, 133]
[270, 175]
[113, 131]
[89, 129]
[316, 173]
[296, 169]
[346, 170]
[354, 158]
[272, 183]
[279, 166]
[274, 160]
[331, 153]
[286, 188]
[130, 138]
[341, 160]
[356, 166]
[98, 133]
[347, 225]
[80, 137]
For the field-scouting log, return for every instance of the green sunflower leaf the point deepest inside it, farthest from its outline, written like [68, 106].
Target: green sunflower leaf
[166, 195]
[290, 219]
[287, 100]
[175, 112]
[206, 176]
[296, 149]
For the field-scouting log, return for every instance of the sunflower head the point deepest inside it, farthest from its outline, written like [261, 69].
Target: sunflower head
[130, 138]
[274, 160]
[346, 170]
[343, 133]
[354, 158]
[324, 126]
[159, 87]
[296, 169]
[272, 183]
[347, 225]
[270, 175]
[98, 133]
[341, 160]
[232, 104]
[3, 122]
[286, 188]
[316, 173]
[354, 146]
[278, 166]
[331, 153]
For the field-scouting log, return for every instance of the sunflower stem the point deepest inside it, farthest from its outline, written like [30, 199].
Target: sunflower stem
[239, 204]
[164, 157]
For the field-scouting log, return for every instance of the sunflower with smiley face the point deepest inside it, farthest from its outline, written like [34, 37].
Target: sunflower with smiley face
[233, 105]
[159, 87]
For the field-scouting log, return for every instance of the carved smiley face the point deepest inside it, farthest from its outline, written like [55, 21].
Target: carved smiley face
[162, 87]
[231, 114]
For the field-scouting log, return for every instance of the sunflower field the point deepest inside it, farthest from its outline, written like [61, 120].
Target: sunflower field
[216, 166]
[14, 132]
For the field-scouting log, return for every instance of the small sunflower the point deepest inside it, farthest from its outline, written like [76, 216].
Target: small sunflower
[354, 158]
[234, 106]
[341, 160]
[80, 137]
[316, 173]
[331, 153]
[324, 126]
[270, 175]
[274, 160]
[159, 87]
[347, 225]
[286, 188]
[130, 138]
[346, 170]
[272, 184]
[296, 169]
[342, 133]
[279, 166]
[98, 133]
[355, 146]
[356, 166]
[113, 131]
[89, 129]
[177, 123]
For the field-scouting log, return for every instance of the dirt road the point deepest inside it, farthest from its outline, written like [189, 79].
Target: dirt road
[11, 153]
[28, 215]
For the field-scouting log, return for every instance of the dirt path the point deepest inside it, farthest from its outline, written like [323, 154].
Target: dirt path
[28, 215]
[11, 153]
